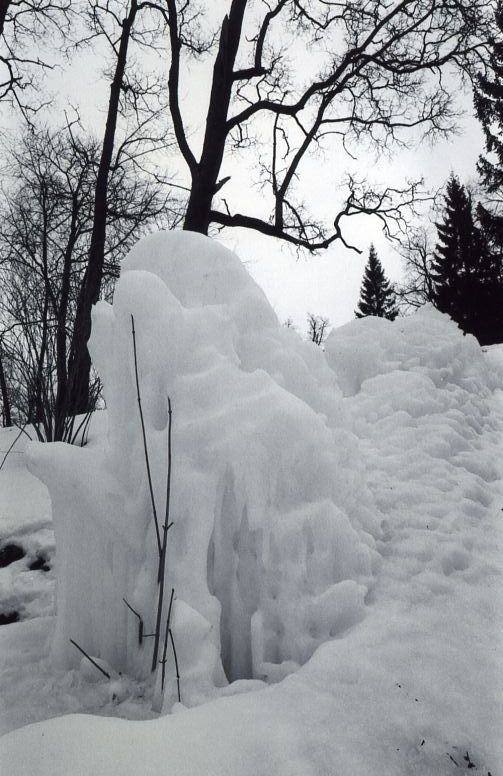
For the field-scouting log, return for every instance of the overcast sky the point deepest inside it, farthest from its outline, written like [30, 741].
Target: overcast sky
[326, 284]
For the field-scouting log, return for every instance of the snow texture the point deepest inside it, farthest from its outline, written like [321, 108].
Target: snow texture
[337, 511]
[273, 543]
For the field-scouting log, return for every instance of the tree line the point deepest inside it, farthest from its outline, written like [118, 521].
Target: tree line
[462, 275]
[72, 204]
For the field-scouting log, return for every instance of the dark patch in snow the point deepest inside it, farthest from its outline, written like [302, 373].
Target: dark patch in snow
[10, 553]
[7, 618]
[41, 563]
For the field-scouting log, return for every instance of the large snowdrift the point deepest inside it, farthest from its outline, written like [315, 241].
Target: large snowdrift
[272, 548]
[352, 498]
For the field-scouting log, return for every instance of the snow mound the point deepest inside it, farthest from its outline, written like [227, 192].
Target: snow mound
[427, 342]
[286, 487]
[272, 548]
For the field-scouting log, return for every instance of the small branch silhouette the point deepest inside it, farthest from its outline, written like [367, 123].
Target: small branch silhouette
[144, 435]
[176, 665]
[162, 559]
[163, 661]
[140, 622]
[95, 664]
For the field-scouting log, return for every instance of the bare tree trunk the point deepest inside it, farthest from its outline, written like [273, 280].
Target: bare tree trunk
[42, 409]
[205, 174]
[4, 5]
[7, 417]
[80, 360]
[42, 398]
[61, 401]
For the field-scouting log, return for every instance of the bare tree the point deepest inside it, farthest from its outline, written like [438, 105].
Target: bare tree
[4, 393]
[24, 24]
[416, 248]
[136, 24]
[46, 222]
[381, 75]
[317, 328]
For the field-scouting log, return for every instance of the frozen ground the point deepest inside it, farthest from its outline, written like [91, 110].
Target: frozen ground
[26, 536]
[408, 680]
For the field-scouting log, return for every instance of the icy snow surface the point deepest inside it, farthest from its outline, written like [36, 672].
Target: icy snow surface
[337, 511]
[272, 544]
[25, 524]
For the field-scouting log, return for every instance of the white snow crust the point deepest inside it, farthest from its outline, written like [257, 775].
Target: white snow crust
[273, 538]
[337, 534]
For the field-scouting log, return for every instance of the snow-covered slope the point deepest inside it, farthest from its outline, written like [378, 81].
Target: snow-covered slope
[272, 547]
[375, 467]
[26, 536]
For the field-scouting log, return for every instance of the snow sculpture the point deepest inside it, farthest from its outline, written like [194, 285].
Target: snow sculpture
[271, 550]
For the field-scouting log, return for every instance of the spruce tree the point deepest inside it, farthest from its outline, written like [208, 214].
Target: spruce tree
[376, 294]
[465, 277]
[489, 110]
[454, 252]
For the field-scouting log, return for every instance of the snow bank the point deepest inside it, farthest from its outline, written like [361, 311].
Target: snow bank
[427, 342]
[415, 686]
[272, 549]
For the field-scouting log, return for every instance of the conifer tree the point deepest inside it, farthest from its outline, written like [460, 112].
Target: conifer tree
[454, 255]
[466, 282]
[376, 294]
[489, 110]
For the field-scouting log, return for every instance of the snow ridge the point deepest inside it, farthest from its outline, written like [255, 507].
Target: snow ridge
[337, 511]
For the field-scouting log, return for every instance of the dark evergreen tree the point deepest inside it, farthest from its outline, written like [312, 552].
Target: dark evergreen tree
[376, 294]
[489, 110]
[465, 274]
[454, 254]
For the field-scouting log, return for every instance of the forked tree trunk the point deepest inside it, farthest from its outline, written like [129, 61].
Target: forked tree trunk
[61, 400]
[80, 362]
[6, 411]
[205, 175]
[4, 4]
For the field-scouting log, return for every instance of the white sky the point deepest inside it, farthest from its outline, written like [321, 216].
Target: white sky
[326, 284]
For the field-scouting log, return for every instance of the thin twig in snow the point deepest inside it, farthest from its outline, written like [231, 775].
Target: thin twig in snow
[12, 445]
[145, 448]
[163, 661]
[162, 560]
[105, 673]
[83, 424]
[176, 665]
[140, 621]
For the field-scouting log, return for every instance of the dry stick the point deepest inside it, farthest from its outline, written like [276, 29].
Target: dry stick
[167, 525]
[83, 424]
[141, 634]
[90, 659]
[10, 448]
[23, 430]
[163, 661]
[140, 621]
[162, 560]
[176, 665]
[85, 430]
[147, 462]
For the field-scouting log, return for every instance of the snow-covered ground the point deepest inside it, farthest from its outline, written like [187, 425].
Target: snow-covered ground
[341, 552]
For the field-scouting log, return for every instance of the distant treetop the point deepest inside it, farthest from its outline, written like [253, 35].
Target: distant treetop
[377, 296]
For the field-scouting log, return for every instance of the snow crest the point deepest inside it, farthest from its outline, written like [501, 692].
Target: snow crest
[272, 548]
[293, 471]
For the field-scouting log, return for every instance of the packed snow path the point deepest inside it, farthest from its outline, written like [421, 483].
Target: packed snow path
[412, 688]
